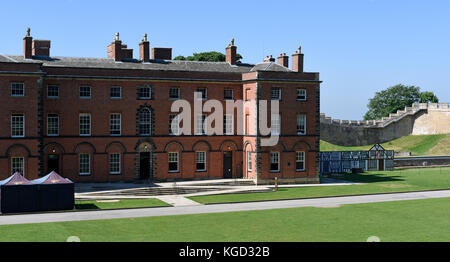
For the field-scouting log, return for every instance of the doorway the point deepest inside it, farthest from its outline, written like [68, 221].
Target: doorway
[227, 164]
[144, 165]
[53, 163]
[381, 165]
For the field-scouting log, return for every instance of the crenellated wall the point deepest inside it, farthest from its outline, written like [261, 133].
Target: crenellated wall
[419, 119]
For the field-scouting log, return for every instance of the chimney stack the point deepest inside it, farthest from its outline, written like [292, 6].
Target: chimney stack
[269, 59]
[162, 53]
[297, 61]
[27, 45]
[118, 51]
[283, 60]
[230, 53]
[144, 49]
[41, 48]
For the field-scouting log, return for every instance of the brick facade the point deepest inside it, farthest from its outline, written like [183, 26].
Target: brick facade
[42, 152]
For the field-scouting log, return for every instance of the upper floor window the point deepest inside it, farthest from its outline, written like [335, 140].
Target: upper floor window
[228, 124]
[276, 93]
[115, 92]
[52, 125]
[145, 92]
[174, 93]
[299, 161]
[18, 165]
[85, 92]
[173, 162]
[203, 93]
[17, 89]
[145, 122]
[275, 161]
[301, 124]
[174, 125]
[301, 94]
[17, 125]
[275, 124]
[249, 161]
[85, 124]
[200, 128]
[228, 94]
[52, 91]
[115, 124]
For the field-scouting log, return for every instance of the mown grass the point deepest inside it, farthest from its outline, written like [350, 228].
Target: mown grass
[401, 180]
[122, 203]
[417, 144]
[409, 220]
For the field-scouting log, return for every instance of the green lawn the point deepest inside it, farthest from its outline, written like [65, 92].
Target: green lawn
[122, 203]
[410, 220]
[400, 180]
[418, 145]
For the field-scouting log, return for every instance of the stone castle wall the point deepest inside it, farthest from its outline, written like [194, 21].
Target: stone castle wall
[419, 119]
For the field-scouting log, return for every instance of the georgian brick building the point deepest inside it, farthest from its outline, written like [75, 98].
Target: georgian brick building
[107, 119]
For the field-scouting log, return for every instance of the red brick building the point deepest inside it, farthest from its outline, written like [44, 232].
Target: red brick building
[107, 119]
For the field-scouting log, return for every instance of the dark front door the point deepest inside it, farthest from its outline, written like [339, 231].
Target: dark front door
[53, 163]
[227, 164]
[144, 165]
[381, 165]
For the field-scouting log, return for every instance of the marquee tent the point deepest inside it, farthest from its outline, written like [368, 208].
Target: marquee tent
[17, 194]
[55, 192]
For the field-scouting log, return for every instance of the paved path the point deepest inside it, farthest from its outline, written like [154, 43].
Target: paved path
[200, 209]
[178, 201]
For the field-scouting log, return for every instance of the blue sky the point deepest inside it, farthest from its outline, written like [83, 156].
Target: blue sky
[359, 47]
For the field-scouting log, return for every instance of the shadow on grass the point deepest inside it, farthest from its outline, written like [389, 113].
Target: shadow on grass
[86, 206]
[366, 178]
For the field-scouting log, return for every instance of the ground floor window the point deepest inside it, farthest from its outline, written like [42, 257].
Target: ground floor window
[274, 161]
[299, 161]
[18, 165]
[114, 163]
[85, 164]
[173, 162]
[200, 160]
[249, 161]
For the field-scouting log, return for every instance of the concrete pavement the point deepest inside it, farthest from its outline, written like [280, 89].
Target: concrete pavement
[217, 208]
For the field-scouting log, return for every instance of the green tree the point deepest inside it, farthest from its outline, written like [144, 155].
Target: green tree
[428, 97]
[396, 98]
[212, 56]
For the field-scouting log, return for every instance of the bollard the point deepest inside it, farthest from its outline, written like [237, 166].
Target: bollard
[276, 183]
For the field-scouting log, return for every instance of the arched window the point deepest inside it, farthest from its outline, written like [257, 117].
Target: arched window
[145, 122]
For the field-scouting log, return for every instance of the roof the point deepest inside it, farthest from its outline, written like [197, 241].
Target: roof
[169, 65]
[52, 178]
[15, 179]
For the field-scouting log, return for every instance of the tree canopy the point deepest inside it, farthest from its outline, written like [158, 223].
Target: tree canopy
[211, 56]
[396, 98]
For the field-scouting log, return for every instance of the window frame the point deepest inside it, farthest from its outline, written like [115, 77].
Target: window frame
[115, 124]
[178, 93]
[11, 89]
[204, 94]
[146, 123]
[88, 164]
[48, 91]
[22, 165]
[249, 161]
[171, 117]
[229, 132]
[275, 124]
[297, 94]
[224, 94]
[83, 96]
[111, 92]
[90, 124]
[140, 93]
[119, 164]
[272, 92]
[197, 161]
[298, 124]
[278, 162]
[14, 128]
[170, 160]
[203, 126]
[48, 126]
[300, 161]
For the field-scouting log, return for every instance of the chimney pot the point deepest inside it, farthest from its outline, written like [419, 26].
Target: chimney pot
[283, 60]
[297, 61]
[230, 53]
[144, 50]
[118, 51]
[28, 45]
